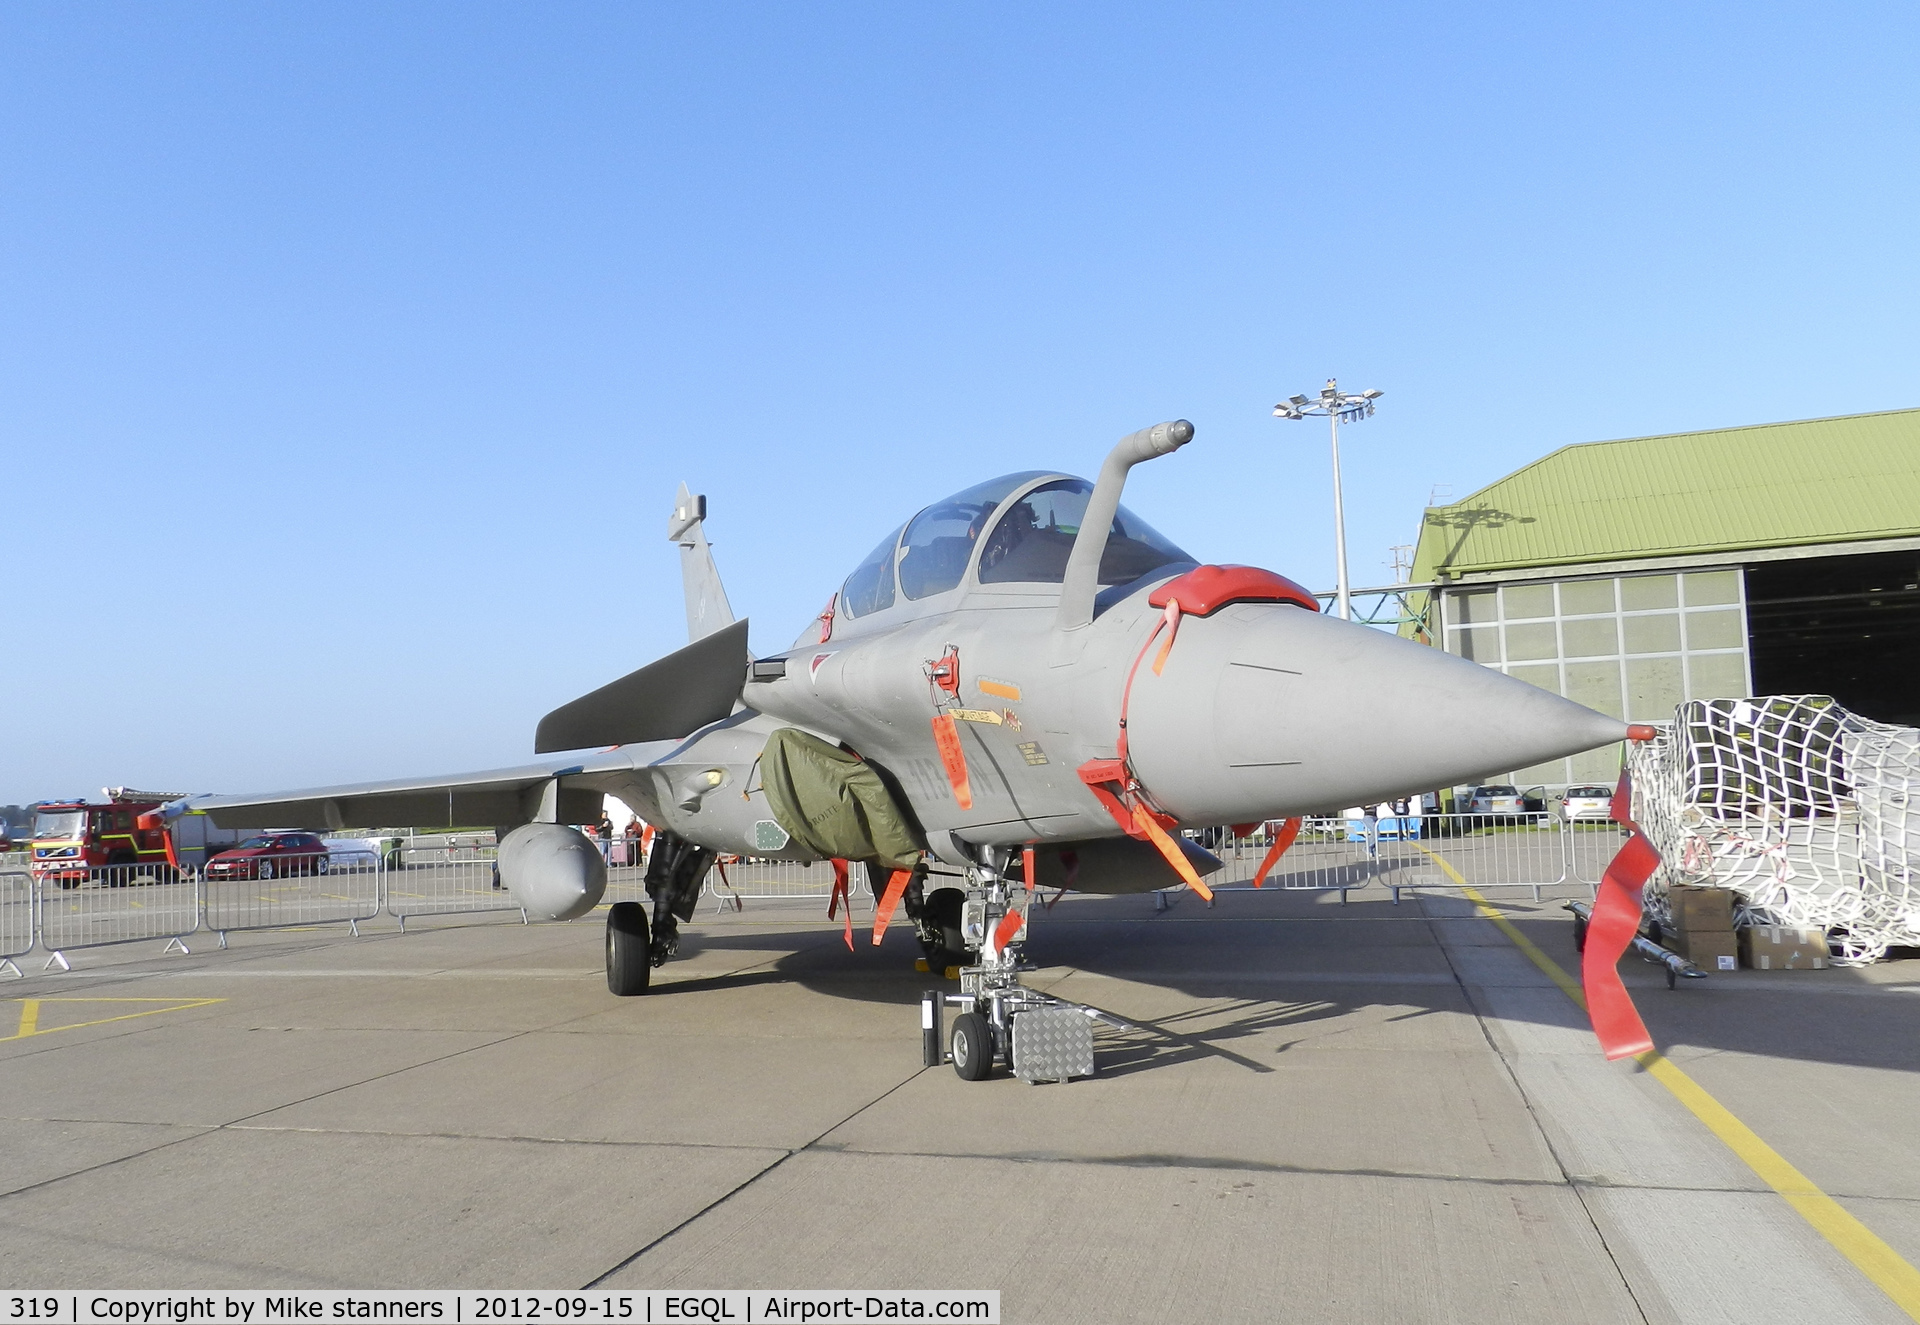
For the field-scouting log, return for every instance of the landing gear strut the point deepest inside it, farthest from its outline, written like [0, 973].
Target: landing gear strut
[1042, 1038]
[675, 870]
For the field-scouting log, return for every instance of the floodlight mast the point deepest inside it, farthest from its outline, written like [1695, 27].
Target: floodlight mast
[1338, 407]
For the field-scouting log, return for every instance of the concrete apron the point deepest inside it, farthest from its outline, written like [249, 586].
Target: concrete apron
[1356, 1114]
[1696, 1234]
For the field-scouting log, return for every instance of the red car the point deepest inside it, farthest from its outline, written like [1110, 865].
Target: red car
[271, 855]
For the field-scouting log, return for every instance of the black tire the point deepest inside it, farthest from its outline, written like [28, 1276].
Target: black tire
[942, 914]
[629, 963]
[321, 864]
[264, 870]
[971, 1042]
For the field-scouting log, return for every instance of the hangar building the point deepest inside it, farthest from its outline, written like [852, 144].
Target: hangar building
[1632, 575]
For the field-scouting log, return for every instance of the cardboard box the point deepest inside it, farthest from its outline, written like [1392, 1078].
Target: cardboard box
[1700, 910]
[1783, 948]
[1710, 950]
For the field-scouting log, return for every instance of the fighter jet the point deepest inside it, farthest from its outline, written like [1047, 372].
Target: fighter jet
[1024, 685]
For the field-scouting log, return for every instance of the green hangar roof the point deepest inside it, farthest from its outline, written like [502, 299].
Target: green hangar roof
[1776, 485]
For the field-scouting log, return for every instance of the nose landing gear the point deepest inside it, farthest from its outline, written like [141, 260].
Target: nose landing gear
[1042, 1038]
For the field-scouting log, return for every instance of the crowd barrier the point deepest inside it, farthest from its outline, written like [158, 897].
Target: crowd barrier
[111, 904]
[340, 887]
[1426, 852]
[449, 874]
[16, 918]
[733, 880]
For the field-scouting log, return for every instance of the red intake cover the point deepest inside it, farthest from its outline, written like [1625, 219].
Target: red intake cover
[1204, 590]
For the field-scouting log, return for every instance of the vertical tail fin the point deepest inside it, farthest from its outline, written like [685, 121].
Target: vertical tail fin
[707, 606]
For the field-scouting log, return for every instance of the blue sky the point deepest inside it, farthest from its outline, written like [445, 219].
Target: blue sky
[350, 354]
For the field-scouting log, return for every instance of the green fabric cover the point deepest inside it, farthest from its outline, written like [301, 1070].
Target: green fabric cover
[834, 804]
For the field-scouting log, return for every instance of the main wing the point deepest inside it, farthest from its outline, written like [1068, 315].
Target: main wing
[556, 791]
[643, 714]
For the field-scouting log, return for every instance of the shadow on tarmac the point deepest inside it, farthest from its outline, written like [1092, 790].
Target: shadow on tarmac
[1273, 961]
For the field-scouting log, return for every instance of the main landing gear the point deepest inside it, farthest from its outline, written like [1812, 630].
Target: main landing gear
[1040, 1037]
[675, 870]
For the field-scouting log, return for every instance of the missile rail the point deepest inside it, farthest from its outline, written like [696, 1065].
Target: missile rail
[1678, 967]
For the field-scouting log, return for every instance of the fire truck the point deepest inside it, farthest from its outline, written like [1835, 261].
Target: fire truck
[75, 842]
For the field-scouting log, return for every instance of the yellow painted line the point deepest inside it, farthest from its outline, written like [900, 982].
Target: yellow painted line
[28, 1028]
[1891, 1273]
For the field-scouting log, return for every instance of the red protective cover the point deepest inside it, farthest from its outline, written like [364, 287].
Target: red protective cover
[1204, 590]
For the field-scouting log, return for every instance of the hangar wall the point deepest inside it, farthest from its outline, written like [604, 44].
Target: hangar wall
[1631, 575]
[1632, 646]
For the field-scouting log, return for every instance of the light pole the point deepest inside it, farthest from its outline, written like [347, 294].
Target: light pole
[1338, 407]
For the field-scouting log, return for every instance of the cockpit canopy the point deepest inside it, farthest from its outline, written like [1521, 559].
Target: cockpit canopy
[1026, 541]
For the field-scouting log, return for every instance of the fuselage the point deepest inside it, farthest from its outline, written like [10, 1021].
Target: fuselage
[1260, 710]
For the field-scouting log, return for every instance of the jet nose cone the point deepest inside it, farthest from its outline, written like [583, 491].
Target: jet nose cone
[1264, 710]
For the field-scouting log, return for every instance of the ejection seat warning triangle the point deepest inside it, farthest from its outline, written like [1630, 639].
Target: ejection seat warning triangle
[44, 1016]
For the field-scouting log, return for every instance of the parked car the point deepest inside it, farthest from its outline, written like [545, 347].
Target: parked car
[1496, 800]
[354, 853]
[270, 856]
[1589, 804]
[1497, 804]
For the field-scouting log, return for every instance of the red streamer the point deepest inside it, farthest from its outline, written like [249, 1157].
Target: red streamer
[1616, 919]
[840, 898]
[946, 740]
[883, 912]
[1281, 841]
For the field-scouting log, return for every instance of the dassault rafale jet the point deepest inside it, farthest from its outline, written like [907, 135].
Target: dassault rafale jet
[1022, 686]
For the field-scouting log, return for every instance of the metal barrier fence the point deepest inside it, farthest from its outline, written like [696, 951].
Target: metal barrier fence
[16, 918]
[1528, 851]
[1591, 847]
[451, 876]
[109, 904]
[749, 877]
[735, 880]
[337, 888]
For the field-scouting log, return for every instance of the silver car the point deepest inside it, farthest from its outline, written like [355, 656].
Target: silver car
[1588, 804]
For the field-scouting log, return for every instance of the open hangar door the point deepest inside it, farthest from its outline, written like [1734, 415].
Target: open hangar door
[1846, 626]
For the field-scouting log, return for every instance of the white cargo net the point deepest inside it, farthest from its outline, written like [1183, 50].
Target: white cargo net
[1810, 813]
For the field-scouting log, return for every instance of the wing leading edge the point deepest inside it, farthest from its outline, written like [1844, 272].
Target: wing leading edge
[500, 797]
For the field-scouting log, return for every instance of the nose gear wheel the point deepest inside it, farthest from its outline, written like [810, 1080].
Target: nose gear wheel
[1000, 1019]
